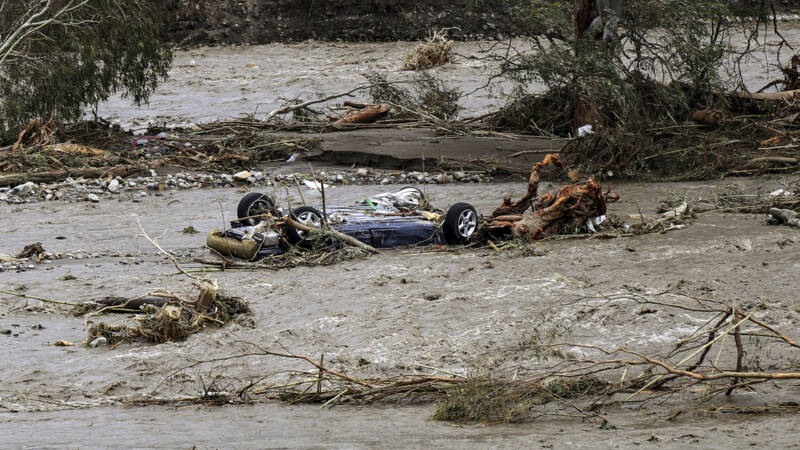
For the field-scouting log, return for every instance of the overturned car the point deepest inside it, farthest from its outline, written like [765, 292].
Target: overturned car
[389, 220]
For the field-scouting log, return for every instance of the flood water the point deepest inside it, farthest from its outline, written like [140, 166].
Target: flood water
[208, 84]
[371, 317]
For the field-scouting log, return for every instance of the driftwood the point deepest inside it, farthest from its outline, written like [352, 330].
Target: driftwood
[31, 250]
[769, 96]
[707, 117]
[205, 300]
[14, 179]
[538, 216]
[367, 115]
[132, 303]
[339, 236]
[516, 208]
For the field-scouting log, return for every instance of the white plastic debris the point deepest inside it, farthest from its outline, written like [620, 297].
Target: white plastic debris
[242, 176]
[315, 185]
[593, 221]
[292, 158]
[585, 130]
[780, 192]
[98, 342]
[22, 189]
[405, 199]
[678, 211]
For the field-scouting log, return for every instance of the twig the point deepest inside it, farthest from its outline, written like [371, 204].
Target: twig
[41, 299]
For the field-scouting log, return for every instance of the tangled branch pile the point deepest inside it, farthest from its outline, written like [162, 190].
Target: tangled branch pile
[174, 320]
[732, 350]
[323, 253]
[430, 54]
[537, 216]
[427, 98]
[57, 150]
[639, 75]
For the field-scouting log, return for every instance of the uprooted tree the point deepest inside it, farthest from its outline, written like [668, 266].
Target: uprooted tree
[631, 68]
[58, 57]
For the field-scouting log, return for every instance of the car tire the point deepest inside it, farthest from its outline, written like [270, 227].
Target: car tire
[254, 204]
[304, 215]
[460, 223]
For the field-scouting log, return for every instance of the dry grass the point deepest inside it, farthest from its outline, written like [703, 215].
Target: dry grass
[436, 51]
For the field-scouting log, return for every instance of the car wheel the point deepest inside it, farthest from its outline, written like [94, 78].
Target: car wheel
[306, 215]
[253, 205]
[460, 223]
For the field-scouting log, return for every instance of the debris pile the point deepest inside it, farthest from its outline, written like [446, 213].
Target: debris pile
[570, 207]
[173, 320]
[436, 51]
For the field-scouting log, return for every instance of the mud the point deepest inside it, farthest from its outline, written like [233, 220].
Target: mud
[370, 317]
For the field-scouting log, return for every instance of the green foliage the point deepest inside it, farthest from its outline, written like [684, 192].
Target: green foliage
[663, 59]
[81, 58]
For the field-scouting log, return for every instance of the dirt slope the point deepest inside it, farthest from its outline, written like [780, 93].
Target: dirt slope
[264, 21]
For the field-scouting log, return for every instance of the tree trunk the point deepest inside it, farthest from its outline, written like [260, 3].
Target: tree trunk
[583, 13]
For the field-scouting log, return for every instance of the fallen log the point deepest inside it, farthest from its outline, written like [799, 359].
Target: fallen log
[755, 162]
[769, 96]
[707, 117]
[14, 179]
[131, 303]
[367, 115]
[339, 236]
[355, 104]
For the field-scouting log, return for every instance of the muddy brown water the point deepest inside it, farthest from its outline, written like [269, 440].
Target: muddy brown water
[370, 317]
[211, 83]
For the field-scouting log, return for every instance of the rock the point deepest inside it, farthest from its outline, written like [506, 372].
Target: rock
[251, 180]
[3, 197]
[362, 172]
[58, 195]
[131, 183]
[113, 187]
[22, 189]
[93, 198]
[386, 181]
[226, 178]
[258, 176]
[48, 197]
[242, 176]
[460, 176]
